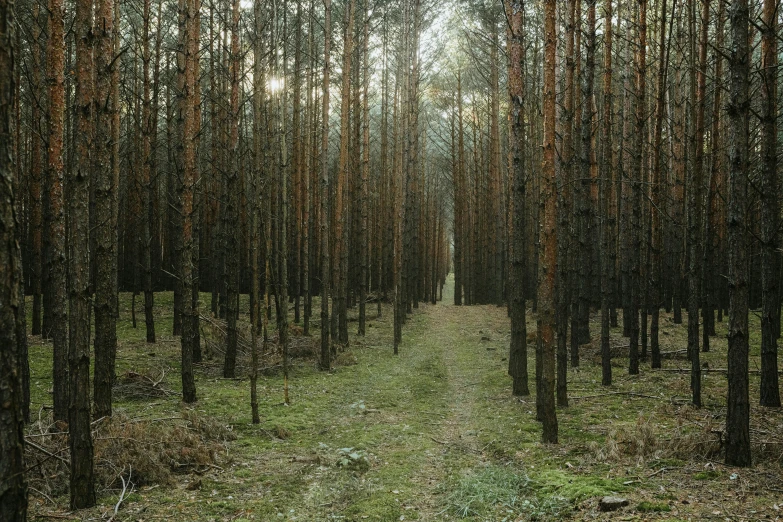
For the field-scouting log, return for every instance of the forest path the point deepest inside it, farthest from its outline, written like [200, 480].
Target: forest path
[464, 336]
[430, 434]
[427, 420]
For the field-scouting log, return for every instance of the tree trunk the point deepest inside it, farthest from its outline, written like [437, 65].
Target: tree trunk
[56, 256]
[548, 257]
[564, 210]
[255, 226]
[231, 229]
[583, 248]
[106, 234]
[516, 92]
[770, 210]
[82, 483]
[364, 250]
[186, 66]
[656, 200]
[326, 353]
[694, 207]
[738, 411]
[607, 264]
[13, 485]
[637, 166]
[36, 170]
[340, 261]
[147, 181]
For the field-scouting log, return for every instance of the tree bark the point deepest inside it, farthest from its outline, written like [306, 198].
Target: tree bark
[105, 233]
[516, 92]
[13, 484]
[82, 483]
[548, 256]
[147, 176]
[607, 182]
[231, 228]
[186, 66]
[770, 210]
[640, 126]
[564, 209]
[56, 256]
[694, 207]
[364, 250]
[326, 353]
[656, 201]
[738, 411]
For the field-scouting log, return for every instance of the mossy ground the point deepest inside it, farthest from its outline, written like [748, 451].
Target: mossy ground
[434, 433]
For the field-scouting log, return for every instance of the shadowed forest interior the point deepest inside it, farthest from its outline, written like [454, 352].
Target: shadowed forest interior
[389, 260]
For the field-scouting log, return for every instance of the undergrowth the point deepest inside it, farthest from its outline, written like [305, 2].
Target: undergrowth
[148, 450]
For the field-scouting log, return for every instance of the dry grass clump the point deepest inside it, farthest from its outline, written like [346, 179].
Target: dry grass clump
[698, 436]
[154, 449]
[638, 440]
[345, 359]
[213, 337]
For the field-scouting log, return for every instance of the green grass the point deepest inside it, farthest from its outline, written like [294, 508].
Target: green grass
[430, 434]
[653, 507]
[706, 475]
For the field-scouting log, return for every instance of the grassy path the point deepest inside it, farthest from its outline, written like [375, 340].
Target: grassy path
[387, 438]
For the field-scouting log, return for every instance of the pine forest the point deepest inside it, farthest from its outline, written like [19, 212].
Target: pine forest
[491, 260]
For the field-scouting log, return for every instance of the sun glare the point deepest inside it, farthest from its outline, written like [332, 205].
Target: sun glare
[275, 84]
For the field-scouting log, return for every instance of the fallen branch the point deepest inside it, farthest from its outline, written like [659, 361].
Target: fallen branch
[122, 494]
[47, 497]
[651, 475]
[45, 451]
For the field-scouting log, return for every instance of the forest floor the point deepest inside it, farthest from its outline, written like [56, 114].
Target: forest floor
[430, 434]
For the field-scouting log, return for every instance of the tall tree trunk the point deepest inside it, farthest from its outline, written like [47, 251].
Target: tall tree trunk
[106, 233]
[678, 174]
[770, 210]
[326, 353]
[255, 207]
[147, 176]
[297, 158]
[56, 256]
[82, 483]
[695, 206]
[564, 209]
[309, 154]
[494, 170]
[548, 257]
[583, 249]
[186, 109]
[231, 229]
[364, 250]
[656, 201]
[282, 317]
[339, 263]
[712, 226]
[36, 168]
[637, 167]
[13, 484]
[738, 411]
[516, 93]
[198, 192]
[607, 182]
